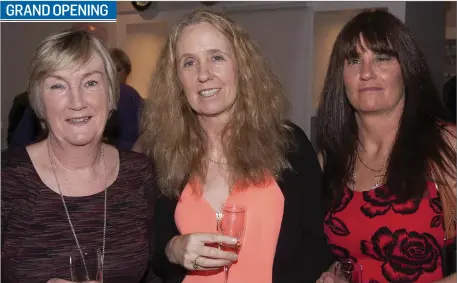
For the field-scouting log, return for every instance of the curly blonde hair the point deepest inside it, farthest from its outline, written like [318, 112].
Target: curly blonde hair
[256, 138]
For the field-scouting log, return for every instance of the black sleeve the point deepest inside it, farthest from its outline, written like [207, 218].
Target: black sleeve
[149, 187]
[302, 253]
[313, 212]
[164, 230]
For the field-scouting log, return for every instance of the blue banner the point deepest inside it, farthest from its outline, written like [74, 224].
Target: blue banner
[58, 11]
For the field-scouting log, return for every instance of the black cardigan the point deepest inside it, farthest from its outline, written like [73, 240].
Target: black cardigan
[301, 252]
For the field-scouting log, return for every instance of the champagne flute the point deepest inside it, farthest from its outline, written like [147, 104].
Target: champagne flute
[348, 271]
[232, 224]
[86, 265]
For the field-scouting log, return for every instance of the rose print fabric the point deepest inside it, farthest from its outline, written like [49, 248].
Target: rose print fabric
[394, 241]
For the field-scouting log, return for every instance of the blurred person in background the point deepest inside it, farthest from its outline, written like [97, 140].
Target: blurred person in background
[123, 127]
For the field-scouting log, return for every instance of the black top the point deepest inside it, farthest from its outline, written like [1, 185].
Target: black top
[301, 252]
[37, 238]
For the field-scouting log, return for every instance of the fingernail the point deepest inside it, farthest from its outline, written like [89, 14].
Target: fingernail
[234, 241]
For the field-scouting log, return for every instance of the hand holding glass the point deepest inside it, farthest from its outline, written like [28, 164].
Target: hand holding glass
[232, 224]
[86, 265]
[348, 271]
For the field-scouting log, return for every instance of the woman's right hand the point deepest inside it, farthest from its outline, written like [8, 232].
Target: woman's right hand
[328, 276]
[191, 251]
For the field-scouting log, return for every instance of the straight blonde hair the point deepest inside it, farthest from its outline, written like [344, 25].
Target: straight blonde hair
[64, 50]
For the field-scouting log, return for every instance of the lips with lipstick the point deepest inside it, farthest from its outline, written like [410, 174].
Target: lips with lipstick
[209, 92]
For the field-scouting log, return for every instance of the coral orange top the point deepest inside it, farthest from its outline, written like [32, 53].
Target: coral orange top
[264, 210]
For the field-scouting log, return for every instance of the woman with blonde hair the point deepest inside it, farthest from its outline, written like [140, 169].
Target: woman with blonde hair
[215, 126]
[72, 192]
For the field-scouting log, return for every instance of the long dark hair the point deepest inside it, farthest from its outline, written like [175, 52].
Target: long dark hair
[420, 147]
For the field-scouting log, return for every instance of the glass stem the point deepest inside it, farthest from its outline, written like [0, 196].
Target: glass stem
[226, 272]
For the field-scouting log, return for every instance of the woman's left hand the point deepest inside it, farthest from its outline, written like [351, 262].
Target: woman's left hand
[328, 277]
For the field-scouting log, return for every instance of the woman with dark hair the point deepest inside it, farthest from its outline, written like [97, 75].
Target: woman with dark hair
[385, 150]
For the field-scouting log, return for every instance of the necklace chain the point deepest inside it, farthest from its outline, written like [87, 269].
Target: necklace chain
[368, 167]
[379, 174]
[217, 162]
[376, 185]
[68, 214]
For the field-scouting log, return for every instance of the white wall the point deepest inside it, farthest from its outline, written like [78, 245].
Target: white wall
[327, 25]
[397, 8]
[288, 51]
[143, 45]
[284, 31]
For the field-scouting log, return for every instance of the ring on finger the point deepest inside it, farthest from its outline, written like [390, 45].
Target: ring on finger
[194, 263]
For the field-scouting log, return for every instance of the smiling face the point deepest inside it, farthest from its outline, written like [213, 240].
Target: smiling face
[207, 70]
[373, 82]
[76, 102]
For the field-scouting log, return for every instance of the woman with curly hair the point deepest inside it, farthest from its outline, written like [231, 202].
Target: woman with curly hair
[215, 126]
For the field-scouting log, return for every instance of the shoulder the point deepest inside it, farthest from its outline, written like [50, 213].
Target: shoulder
[22, 99]
[14, 158]
[300, 147]
[126, 89]
[18, 174]
[137, 171]
[295, 131]
[304, 167]
[135, 161]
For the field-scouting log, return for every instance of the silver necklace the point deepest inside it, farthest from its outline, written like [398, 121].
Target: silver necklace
[217, 162]
[218, 215]
[68, 214]
[376, 185]
[218, 220]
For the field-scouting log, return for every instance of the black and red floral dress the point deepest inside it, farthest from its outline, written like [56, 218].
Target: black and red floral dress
[394, 241]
